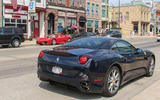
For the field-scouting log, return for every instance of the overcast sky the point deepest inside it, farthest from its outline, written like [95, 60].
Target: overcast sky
[115, 2]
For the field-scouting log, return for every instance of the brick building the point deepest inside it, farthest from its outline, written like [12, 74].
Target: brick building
[64, 13]
[97, 15]
[133, 16]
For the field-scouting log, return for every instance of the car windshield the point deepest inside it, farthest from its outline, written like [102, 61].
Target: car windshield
[93, 43]
[109, 32]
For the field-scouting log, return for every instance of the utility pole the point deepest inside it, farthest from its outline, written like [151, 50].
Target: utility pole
[119, 14]
[154, 17]
[2, 11]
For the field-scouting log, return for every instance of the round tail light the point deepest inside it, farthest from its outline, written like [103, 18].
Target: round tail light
[83, 59]
[41, 54]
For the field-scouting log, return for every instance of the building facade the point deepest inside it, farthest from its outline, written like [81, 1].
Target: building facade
[134, 16]
[16, 15]
[94, 13]
[64, 13]
[105, 15]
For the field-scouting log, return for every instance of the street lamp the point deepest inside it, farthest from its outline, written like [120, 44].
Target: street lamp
[2, 11]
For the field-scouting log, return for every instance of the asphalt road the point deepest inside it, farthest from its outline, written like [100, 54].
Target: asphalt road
[18, 78]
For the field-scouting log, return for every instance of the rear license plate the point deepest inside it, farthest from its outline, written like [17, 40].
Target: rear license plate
[57, 70]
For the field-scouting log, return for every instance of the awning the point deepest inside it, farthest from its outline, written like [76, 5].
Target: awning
[82, 19]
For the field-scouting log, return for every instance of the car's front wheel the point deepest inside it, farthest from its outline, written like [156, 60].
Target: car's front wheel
[151, 67]
[112, 82]
[15, 43]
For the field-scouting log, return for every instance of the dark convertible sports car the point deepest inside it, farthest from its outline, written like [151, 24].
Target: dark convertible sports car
[95, 64]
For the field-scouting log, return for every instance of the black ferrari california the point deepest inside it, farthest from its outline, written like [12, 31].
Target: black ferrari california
[95, 64]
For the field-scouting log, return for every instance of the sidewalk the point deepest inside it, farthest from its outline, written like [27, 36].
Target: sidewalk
[150, 93]
[29, 43]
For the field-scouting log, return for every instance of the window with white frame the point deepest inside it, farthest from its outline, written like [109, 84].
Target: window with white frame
[82, 3]
[74, 3]
[62, 2]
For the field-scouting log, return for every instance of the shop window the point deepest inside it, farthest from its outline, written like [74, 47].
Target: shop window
[18, 20]
[71, 21]
[7, 20]
[24, 21]
[13, 20]
[135, 27]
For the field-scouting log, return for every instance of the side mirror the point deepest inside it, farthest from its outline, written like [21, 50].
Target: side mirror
[139, 50]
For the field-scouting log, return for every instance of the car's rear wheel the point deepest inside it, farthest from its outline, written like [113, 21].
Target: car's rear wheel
[15, 43]
[151, 67]
[158, 40]
[53, 42]
[112, 82]
[51, 82]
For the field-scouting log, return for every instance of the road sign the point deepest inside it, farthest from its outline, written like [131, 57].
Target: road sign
[32, 7]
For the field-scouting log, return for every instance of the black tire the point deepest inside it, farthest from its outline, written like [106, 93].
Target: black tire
[151, 67]
[158, 40]
[5, 46]
[112, 83]
[53, 42]
[51, 83]
[15, 43]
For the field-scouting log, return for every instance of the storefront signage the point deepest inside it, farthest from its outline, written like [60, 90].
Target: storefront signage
[71, 15]
[61, 13]
[32, 7]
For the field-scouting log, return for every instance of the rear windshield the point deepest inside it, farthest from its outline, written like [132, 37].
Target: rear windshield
[93, 43]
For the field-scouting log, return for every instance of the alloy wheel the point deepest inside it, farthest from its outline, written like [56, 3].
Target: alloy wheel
[113, 81]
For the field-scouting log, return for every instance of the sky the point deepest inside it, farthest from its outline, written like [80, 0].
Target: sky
[115, 2]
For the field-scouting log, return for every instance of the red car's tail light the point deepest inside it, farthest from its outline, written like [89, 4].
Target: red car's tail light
[41, 54]
[83, 59]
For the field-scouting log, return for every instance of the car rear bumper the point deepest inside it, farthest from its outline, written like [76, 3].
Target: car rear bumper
[83, 85]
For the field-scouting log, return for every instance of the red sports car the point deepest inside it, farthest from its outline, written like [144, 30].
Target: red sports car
[57, 39]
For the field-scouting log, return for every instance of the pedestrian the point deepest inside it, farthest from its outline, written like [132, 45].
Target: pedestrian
[132, 34]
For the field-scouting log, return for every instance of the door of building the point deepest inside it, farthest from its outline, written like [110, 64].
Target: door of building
[36, 29]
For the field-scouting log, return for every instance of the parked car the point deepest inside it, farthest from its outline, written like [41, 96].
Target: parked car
[113, 33]
[158, 37]
[95, 64]
[56, 39]
[84, 34]
[11, 36]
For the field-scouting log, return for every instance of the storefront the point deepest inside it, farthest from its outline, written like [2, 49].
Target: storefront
[16, 17]
[90, 26]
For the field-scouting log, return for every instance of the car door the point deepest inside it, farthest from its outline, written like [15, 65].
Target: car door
[1, 36]
[129, 58]
[8, 33]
